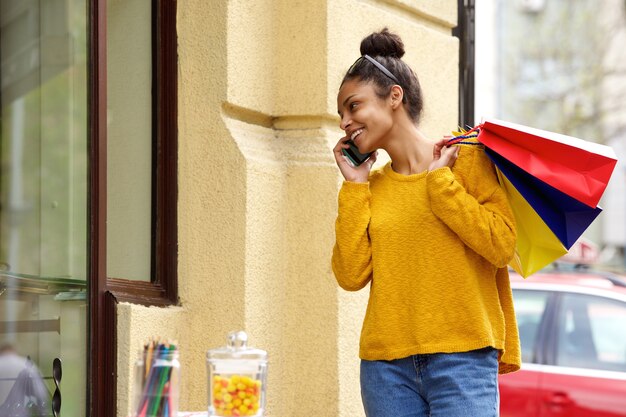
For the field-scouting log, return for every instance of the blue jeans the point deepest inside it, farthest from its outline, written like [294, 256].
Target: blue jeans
[434, 385]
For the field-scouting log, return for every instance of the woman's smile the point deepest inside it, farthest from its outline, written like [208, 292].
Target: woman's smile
[356, 134]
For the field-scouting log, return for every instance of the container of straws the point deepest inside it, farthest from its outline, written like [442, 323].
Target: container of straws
[157, 376]
[237, 375]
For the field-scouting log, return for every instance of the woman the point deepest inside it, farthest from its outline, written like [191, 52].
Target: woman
[431, 232]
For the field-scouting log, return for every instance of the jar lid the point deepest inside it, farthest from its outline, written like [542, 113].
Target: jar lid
[237, 349]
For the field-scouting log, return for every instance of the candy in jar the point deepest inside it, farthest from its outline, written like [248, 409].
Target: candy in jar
[237, 376]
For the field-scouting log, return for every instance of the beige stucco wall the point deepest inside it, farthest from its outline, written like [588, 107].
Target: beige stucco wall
[258, 185]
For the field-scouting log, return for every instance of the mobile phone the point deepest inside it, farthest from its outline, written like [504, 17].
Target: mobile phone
[353, 154]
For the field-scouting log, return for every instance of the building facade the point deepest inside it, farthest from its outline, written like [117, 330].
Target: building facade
[167, 172]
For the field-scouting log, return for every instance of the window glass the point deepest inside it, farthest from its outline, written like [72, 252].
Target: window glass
[529, 309]
[129, 139]
[592, 333]
[43, 203]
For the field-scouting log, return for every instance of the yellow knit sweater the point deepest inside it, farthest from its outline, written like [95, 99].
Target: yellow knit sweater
[434, 247]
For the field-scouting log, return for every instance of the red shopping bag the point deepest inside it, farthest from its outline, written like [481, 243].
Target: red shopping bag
[578, 168]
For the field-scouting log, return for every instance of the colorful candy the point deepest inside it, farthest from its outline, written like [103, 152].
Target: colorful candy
[236, 395]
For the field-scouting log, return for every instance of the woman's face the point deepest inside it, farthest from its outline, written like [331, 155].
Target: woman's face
[365, 117]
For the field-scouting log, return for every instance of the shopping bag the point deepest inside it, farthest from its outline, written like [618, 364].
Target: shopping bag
[553, 183]
[578, 168]
[536, 245]
[566, 217]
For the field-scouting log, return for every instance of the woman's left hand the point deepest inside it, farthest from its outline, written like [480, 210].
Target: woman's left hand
[443, 155]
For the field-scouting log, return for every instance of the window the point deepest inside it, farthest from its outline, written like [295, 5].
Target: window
[529, 310]
[116, 140]
[43, 201]
[592, 333]
[129, 139]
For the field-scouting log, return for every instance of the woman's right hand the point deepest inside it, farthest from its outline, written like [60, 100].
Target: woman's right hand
[350, 172]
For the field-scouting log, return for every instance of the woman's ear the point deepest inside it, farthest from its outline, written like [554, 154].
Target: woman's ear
[396, 96]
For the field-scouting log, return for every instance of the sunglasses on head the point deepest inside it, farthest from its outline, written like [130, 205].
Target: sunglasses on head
[377, 64]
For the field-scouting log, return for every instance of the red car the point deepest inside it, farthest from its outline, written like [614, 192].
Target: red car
[572, 328]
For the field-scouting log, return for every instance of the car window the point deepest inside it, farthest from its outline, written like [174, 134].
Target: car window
[592, 333]
[529, 308]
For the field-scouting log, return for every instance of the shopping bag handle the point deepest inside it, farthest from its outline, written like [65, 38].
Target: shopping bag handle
[470, 134]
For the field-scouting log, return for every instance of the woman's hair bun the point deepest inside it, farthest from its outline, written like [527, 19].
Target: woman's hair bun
[383, 43]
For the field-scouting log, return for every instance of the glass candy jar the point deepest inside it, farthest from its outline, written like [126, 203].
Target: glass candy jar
[237, 375]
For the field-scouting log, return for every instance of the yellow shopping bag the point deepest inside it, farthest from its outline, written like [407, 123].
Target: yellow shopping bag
[537, 246]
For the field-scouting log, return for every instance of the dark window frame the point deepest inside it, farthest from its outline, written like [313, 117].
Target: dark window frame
[466, 33]
[105, 292]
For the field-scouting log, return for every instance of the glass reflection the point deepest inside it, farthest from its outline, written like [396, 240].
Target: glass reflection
[43, 206]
